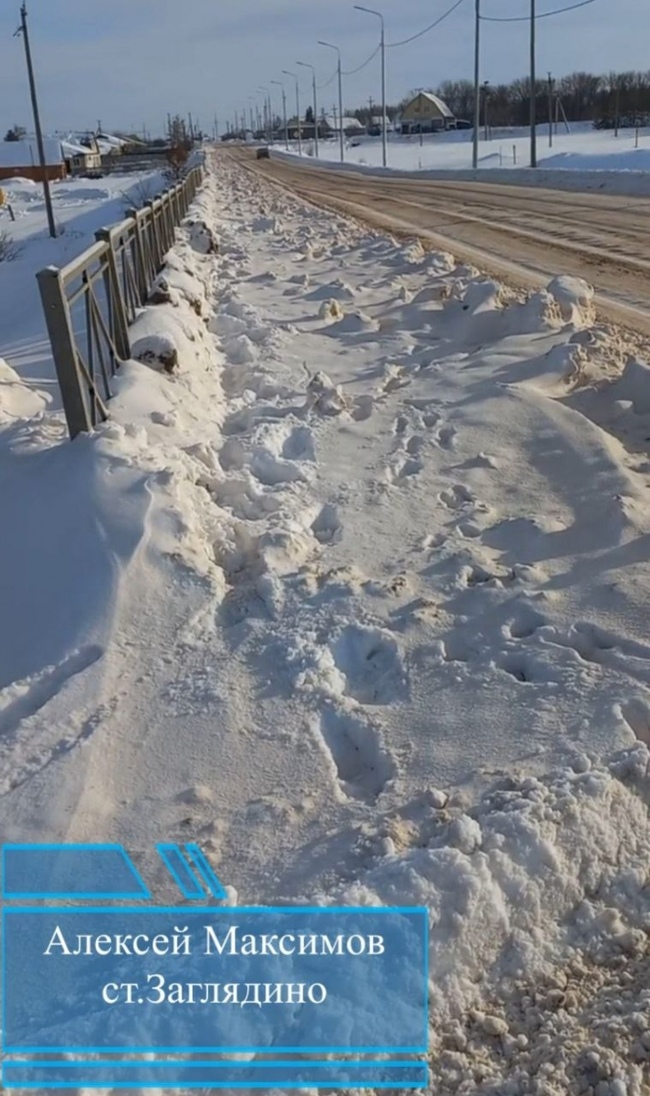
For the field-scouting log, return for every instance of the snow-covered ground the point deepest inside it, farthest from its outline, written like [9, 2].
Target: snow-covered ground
[81, 206]
[583, 159]
[357, 599]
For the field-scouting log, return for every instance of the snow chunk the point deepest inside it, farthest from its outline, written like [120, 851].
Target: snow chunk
[330, 310]
[18, 400]
[201, 238]
[159, 351]
[575, 298]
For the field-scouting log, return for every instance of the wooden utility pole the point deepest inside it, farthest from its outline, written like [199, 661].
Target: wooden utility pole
[533, 88]
[22, 30]
[477, 85]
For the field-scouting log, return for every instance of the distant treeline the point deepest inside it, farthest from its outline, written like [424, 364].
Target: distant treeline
[585, 97]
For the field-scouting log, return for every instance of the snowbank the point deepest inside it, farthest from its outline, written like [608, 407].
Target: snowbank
[584, 159]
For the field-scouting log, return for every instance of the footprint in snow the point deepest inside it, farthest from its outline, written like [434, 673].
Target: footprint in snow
[635, 712]
[404, 467]
[523, 624]
[454, 498]
[446, 437]
[362, 764]
[372, 664]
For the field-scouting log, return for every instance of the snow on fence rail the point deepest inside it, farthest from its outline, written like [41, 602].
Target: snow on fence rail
[90, 303]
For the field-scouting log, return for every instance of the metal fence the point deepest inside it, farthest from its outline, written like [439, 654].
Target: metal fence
[90, 303]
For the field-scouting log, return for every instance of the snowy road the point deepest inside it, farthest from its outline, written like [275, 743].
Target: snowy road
[357, 599]
[512, 230]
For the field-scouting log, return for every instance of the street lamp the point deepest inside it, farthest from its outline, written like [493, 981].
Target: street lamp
[285, 72]
[371, 11]
[267, 108]
[342, 141]
[279, 84]
[303, 64]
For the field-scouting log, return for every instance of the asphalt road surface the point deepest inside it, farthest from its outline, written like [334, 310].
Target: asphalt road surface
[525, 235]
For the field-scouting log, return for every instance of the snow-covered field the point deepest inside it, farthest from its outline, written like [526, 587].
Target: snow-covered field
[81, 206]
[357, 599]
[583, 159]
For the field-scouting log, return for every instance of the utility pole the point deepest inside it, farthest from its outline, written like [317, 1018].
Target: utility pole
[303, 64]
[533, 88]
[477, 82]
[22, 30]
[340, 75]
[550, 110]
[384, 130]
[279, 84]
[286, 72]
[486, 92]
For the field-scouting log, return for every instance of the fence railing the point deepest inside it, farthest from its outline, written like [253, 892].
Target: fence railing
[90, 303]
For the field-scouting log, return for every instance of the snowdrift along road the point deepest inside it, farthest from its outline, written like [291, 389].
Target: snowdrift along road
[357, 599]
[524, 234]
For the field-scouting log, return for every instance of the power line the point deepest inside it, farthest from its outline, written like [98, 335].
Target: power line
[367, 62]
[421, 33]
[526, 18]
[331, 80]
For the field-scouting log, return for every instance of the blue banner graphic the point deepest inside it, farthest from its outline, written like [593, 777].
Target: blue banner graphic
[69, 871]
[258, 981]
[266, 1075]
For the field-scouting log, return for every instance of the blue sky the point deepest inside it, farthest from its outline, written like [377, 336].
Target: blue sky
[129, 62]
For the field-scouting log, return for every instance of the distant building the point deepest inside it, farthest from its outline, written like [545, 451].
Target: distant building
[81, 155]
[20, 159]
[110, 146]
[426, 113]
[376, 127]
[331, 126]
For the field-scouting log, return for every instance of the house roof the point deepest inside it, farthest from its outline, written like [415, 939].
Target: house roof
[435, 101]
[116, 142]
[349, 122]
[71, 148]
[25, 153]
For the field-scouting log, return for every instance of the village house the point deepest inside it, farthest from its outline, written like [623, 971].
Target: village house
[328, 126]
[426, 113]
[352, 127]
[20, 159]
[82, 155]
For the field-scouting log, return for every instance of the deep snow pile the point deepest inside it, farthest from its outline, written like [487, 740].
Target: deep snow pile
[352, 590]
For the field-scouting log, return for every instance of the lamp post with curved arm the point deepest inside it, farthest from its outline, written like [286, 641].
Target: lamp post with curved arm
[303, 64]
[371, 11]
[279, 84]
[342, 139]
[285, 72]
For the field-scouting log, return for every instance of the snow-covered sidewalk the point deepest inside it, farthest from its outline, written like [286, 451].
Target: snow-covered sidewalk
[357, 600]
